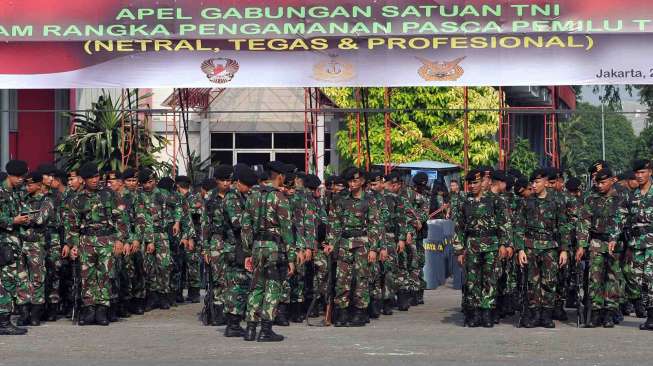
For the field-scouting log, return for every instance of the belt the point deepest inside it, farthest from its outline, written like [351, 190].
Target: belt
[539, 236]
[348, 234]
[97, 232]
[599, 236]
[267, 236]
[642, 230]
[481, 233]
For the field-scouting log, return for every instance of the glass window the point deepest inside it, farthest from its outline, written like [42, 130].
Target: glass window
[222, 157]
[296, 159]
[253, 140]
[253, 158]
[327, 140]
[289, 140]
[222, 141]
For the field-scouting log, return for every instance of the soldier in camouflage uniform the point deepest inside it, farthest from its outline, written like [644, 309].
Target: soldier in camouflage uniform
[541, 234]
[94, 227]
[638, 213]
[314, 223]
[270, 252]
[598, 231]
[236, 278]
[354, 235]
[69, 265]
[480, 243]
[10, 245]
[31, 261]
[398, 206]
[193, 203]
[376, 190]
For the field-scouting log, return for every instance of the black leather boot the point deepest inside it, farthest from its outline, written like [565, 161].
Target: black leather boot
[164, 301]
[357, 318]
[608, 319]
[179, 298]
[53, 312]
[627, 309]
[340, 317]
[113, 313]
[137, 306]
[35, 313]
[123, 312]
[547, 319]
[526, 320]
[250, 332]
[267, 334]
[475, 319]
[23, 315]
[101, 313]
[8, 328]
[87, 317]
[282, 316]
[151, 302]
[374, 309]
[193, 295]
[640, 311]
[297, 312]
[233, 328]
[413, 298]
[402, 300]
[387, 307]
[560, 313]
[487, 320]
[420, 297]
[596, 320]
[648, 325]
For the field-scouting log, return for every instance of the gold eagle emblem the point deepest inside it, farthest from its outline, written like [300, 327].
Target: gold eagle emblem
[334, 70]
[220, 70]
[441, 70]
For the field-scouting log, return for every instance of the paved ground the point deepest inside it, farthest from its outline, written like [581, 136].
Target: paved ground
[430, 334]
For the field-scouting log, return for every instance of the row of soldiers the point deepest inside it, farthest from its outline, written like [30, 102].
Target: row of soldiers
[536, 244]
[264, 244]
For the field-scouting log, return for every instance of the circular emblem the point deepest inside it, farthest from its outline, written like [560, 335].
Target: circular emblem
[220, 70]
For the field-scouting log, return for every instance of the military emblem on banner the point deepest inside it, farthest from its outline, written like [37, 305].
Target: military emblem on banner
[334, 70]
[220, 70]
[441, 70]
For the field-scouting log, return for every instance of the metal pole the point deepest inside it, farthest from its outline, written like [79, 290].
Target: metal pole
[466, 132]
[603, 129]
[4, 128]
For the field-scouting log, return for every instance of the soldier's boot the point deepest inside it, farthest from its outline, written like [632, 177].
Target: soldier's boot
[193, 295]
[23, 315]
[547, 319]
[297, 312]
[250, 332]
[267, 334]
[35, 313]
[151, 302]
[420, 297]
[475, 320]
[340, 317]
[374, 309]
[402, 300]
[164, 301]
[608, 319]
[180, 296]
[617, 316]
[101, 315]
[87, 317]
[113, 313]
[527, 320]
[536, 316]
[387, 307]
[648, 325]
[413, 298]
[233, 328]
[487, 319]
[627, 309]
[123, 312]
[358, 318]
[640, 310]
[136, 306]
[560, 313]
[52, 313]
[282, 316]
[571, 301]
[172, 299]
[495, 315]
[596, 320]
[8, 328]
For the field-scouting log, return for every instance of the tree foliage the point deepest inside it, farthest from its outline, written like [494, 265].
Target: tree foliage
[523, 158]
[427, 124]
[111, 136]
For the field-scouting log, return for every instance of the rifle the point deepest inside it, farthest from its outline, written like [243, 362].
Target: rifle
[75, 290]
[524, 295]
[208, 310]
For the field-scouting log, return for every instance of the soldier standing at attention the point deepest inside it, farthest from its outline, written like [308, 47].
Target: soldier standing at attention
[10, 245]
[480, 243]
[194, 203]
[541, 235]
[94, 227]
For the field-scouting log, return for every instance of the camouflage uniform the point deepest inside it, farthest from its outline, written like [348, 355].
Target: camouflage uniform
[216, 232]
[396, 277]
[54, 244]
[195, 204]
[599, 223]
[134, 263]
[314, 223]
[377, 273]
[177, 251]
[9, 208]
[95, 221]
[542, 230]
[31, 262]
[236, 278]
[418, 210]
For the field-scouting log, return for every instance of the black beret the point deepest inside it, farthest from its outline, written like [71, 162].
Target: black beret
[166, 183]
[485, 170]
[34, 177]
[329, 180]
[224, 172]
[277, 167]
[182, 179]
[597, 165]
[393, 176]
[510, 181]
[499, 175]
[339, 180]
[46, 169]
[263, 175]
[520, 185]
[60, 175]
[375, 176]
[88, 170]
[421, 179]
[129, 173]
[145, 175]
[353, 173]
[539, 173]
[603, 174]
[239, 167]
[247, 177]
[627, 176]
[208, 184]
[515, 172]
[16, 168]
[640, 164]
[3, 176]
[114, 174]
[553, 173]
[573, 184]
[473, 175]
[289, 179]
[73, 173]
[291, 168]
[312, 181]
